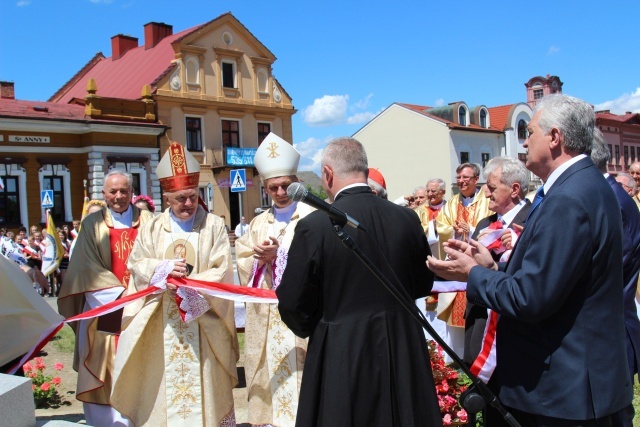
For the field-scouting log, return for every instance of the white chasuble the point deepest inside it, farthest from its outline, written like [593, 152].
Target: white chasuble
[181, 345]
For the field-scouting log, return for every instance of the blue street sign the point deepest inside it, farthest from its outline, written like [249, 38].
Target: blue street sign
[47, 198]
[238, 178]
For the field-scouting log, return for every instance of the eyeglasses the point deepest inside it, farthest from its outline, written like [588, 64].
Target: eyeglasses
[465, 178]
[274, 188]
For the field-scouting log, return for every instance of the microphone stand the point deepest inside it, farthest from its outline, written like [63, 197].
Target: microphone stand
[473, 399]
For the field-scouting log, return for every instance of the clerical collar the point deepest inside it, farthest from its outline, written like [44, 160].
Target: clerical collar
[122, 220]
[509, 216]
[438, 206]
[466, 201]
[178, 225]
[284, 214]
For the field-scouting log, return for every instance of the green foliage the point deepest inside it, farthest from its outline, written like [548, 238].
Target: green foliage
[317, 191]
[44, 386]
[65, 340]
[241, 342]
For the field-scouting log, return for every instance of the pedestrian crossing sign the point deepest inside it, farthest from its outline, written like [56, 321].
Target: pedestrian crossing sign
[47, 198]
[238, 179]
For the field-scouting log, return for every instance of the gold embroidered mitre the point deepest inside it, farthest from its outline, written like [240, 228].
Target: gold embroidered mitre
[178, 169]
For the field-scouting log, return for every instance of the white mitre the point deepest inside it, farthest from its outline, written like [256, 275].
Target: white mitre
[276, 157]
[178, 169]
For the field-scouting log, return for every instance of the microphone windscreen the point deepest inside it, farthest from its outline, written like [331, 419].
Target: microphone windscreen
[296, 191]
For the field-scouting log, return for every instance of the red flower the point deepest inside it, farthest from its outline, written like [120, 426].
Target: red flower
[58, 366]
[27, 367]
[44, 387]
[55, 381]
[446, 420]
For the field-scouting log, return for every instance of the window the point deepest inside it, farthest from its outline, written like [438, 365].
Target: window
[617, 156]
[538, 93]
[610, 154]
[522, 129]
[522, 157]
[228, 75]
[633, 154]
[264, 197]
[230, 133]
[626, 155]
[135, 177]
[483, 118]
[263, 79]
[462, 116]
[464, 157]
[194, 134]
[263, 130]
[485, 159]
[9, 202]
[55, 183]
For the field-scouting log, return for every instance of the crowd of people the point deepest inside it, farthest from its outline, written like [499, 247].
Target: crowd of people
[548, 317]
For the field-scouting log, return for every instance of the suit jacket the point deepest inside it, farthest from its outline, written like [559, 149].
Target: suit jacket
[476, 316]
[561, 345]
[630, 269]
[367, 360]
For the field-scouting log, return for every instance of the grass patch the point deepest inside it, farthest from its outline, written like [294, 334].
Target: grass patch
[241, 342]
[65, 339]
[636, 402]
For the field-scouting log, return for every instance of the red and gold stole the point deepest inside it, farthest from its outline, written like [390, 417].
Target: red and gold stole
[121, 241]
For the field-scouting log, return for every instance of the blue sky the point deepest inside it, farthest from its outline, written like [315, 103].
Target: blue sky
[343, 62]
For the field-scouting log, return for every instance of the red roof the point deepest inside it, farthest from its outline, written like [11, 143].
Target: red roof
[40, 110]
[622, 118]
[123, 77]
[452, 125]
[500, 115]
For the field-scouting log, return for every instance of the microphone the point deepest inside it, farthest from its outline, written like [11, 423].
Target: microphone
[298, 193]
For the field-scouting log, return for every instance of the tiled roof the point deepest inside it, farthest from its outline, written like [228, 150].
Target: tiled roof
[452, 125]
[500, 115]
[621, 118]
[125, 76]
[38, 110]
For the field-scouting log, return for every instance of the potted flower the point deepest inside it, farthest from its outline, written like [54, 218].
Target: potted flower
[44, 386]
[449, 385]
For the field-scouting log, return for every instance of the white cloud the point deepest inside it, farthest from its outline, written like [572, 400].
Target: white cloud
[553, 50]
[331, 110]
[626, 102]
[23, 3]
[326, 111]
[311, 153]
[439, 102]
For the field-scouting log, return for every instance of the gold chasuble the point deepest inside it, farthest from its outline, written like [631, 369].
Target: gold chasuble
[168, 372]
[451, 305]
[274, 356]
[99, 263]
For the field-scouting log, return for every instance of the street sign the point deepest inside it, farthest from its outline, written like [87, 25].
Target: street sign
[238, 178]
[47, 198]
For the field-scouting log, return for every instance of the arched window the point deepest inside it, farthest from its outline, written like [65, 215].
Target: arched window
[522, 129]
[483, 118]
[462, 116]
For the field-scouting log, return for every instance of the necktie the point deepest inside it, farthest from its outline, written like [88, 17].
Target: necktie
[536, 201]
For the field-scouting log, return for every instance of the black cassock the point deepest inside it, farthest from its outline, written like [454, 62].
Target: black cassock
[367, 362]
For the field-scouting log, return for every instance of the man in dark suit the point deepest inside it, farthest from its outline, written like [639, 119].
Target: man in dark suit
[507, 184]
[630, 267]
[560, 337]
[367, 361]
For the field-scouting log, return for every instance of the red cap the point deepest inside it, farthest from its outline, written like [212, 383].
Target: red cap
[376, 176]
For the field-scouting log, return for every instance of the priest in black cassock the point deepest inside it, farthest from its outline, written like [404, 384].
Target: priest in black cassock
[367, 361]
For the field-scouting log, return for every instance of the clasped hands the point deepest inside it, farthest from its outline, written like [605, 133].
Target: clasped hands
[267, 251]
[461, 258]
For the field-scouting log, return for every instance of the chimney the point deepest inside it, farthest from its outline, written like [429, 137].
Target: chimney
[7, 90]
[628, 112]
[121, 44]
[154, 32]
